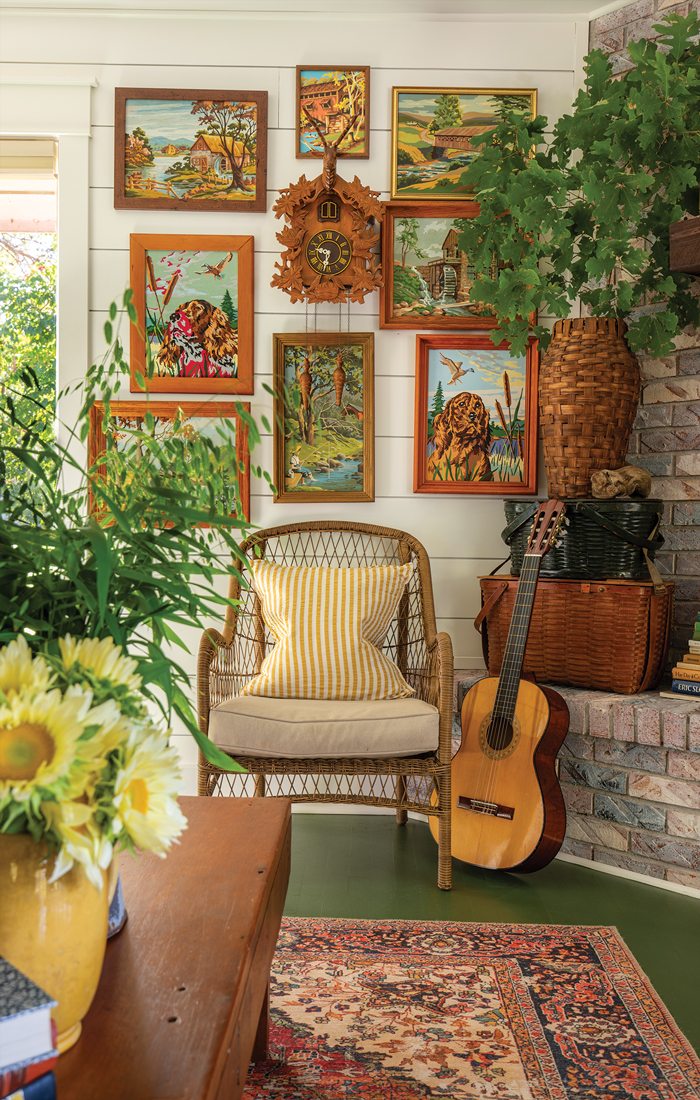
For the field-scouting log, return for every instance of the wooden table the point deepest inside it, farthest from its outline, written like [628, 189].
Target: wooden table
[182, 1002]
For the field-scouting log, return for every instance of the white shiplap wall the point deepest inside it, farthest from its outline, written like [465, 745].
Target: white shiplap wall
[199, 49]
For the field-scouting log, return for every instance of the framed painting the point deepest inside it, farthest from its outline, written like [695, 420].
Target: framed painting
[190, 150]
[332, 95]
[475, 417]
[206, 418]
[323, 434]
[432, 131]
[427, 277]
[194, 306]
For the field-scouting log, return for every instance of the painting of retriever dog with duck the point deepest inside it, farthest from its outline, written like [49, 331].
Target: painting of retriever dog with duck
[194, 305]
[475, 417]
[324, 417]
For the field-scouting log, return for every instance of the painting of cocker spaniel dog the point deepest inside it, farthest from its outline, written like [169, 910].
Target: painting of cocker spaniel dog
[476, 415]
[194, 306]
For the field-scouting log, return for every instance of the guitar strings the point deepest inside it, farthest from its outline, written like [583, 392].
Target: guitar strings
[502, 720]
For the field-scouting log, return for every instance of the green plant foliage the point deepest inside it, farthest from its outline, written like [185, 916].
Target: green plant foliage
[28, 341]
[587, 216]
[149, 559]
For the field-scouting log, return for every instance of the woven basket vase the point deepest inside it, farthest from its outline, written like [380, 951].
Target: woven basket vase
[588, 393]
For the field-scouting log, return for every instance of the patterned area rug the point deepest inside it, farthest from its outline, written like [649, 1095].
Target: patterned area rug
[404, 1010]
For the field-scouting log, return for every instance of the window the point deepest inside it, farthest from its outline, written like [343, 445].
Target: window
[27, 290]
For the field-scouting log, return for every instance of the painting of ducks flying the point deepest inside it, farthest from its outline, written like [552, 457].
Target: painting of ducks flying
[475, 416]
[194, 305]
[324, 417]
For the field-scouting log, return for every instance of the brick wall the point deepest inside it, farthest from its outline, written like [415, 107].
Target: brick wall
[666, 439]
[630, 773]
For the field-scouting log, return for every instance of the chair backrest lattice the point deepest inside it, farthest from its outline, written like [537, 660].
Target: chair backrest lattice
[338, 544]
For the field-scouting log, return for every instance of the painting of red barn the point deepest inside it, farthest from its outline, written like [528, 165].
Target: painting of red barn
[190, 150]
[328, 97]
[194, 306]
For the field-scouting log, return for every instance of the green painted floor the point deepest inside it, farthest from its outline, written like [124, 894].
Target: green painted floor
[364, 866]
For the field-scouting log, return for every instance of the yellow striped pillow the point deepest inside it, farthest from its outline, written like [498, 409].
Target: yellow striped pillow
[327, 624]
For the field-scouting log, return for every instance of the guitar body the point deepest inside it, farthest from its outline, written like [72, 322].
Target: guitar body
[507, 808]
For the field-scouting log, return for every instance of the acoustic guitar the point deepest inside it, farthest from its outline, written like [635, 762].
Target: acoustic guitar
[507, 807]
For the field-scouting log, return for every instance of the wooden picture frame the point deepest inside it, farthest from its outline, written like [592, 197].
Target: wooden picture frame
[440, 278]
[416, 110]
[167, 410]
[485, 444]
[179, 182]
[335, 462]
[337, 118]
[200, 341]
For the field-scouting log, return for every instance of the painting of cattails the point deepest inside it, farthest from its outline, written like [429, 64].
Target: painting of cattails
[324, 425]
[193, 297]
[476, 417]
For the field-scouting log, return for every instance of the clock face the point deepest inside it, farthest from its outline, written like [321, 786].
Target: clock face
[328, 252]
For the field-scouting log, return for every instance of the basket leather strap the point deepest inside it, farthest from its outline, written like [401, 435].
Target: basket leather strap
[520, 520]
[655, 539]
[657, 606]
[489, 603]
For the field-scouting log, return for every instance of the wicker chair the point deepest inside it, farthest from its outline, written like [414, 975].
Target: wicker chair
[228, 660]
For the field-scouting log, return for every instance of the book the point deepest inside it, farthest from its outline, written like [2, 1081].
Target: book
[693, 647]
[685, 687]
[17, 1077]
[25, 1019]
[686, 672]
[692, 659]
[44, 1088]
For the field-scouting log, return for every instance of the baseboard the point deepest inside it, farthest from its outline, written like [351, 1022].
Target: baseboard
[622, 872]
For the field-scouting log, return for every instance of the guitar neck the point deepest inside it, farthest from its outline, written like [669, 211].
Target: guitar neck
[514, 653]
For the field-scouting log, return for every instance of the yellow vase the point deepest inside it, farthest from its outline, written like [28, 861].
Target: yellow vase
[55, 933]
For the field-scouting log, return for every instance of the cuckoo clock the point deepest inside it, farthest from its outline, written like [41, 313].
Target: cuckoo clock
[331, 236]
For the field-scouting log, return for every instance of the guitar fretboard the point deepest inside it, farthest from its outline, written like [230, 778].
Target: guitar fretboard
[511, 669]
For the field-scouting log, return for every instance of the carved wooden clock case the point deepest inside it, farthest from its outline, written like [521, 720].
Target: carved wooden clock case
[331, 239]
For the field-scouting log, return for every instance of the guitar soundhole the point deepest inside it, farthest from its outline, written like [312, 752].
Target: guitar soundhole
[498, 736]
[500, 733]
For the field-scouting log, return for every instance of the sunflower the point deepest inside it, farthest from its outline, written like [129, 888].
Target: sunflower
[145, 792]
[39, 738]
[102, 658]
[20, 671]
[73, 826]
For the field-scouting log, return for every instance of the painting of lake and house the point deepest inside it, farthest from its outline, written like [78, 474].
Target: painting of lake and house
[190, 151]
[433, 133]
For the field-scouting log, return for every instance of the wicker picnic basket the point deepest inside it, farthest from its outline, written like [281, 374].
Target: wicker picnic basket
[589, 388]
[602, 539]
[604, 635]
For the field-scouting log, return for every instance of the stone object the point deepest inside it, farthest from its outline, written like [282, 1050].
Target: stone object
[627, 481]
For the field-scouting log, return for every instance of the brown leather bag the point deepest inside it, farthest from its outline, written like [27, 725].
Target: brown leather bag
[605, 635]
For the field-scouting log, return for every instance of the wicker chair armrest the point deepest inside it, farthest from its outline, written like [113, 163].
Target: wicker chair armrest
[210, 641]
[442, 672]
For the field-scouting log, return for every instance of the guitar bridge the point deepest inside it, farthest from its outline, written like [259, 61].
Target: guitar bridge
[481, 806]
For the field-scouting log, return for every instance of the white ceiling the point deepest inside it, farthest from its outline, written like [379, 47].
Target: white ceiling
[414, 9]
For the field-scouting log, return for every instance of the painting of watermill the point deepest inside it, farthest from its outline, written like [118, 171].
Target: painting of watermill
[324, 417]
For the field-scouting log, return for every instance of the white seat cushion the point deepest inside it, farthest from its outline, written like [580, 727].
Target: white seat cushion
[255, 725]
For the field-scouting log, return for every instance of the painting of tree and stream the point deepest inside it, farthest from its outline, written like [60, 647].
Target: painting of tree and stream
[324, 417]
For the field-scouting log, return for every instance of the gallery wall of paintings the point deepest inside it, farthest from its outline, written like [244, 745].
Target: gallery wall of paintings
[185, 224]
